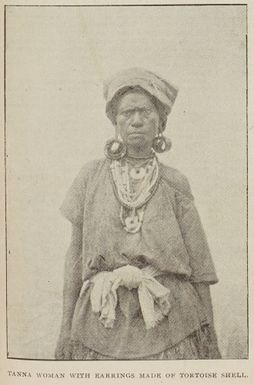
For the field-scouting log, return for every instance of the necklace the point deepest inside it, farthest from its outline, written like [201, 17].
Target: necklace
[132, 222]
[140, 169]
[122, 184]
[139, 162]
[137, 173]
[133, 203]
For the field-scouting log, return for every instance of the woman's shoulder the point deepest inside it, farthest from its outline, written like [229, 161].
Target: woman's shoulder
[176, 180]
[91, 168]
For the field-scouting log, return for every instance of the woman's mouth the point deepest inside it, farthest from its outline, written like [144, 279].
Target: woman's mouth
[136, 133]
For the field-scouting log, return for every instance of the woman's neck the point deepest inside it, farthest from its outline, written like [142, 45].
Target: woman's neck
[140, 153]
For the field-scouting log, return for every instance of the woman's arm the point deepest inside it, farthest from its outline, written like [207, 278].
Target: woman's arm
[72, 286]
[200, 261]
[203, 290]
[204, 294]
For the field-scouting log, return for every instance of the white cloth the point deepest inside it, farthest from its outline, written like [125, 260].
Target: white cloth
[153, 297]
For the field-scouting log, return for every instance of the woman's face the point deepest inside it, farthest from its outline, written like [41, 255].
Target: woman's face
[137, 120]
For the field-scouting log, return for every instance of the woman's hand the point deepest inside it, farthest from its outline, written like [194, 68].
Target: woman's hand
[128, 276]
[204, 294]
[64, 347]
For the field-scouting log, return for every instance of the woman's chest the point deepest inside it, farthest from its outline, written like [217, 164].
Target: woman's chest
[104, 229]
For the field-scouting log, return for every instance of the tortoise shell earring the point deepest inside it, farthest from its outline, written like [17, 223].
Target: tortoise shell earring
[161, 143]
[115, 149]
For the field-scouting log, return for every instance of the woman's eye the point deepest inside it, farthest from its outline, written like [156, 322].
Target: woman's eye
[147, 112]
[126, 113]
[143, 112]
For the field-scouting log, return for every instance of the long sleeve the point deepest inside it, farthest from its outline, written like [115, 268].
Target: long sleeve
[202, 268]
[72, 286]
[194, 237]
[72, 275]
[73, 204]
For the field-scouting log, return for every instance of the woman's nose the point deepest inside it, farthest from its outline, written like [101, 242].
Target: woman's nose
[137, 120]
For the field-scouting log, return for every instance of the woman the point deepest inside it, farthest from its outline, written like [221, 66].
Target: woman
[138, 269]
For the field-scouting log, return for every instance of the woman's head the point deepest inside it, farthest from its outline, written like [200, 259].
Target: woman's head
[138, 103]
[114, 104]
[159, 89]
[137, 117]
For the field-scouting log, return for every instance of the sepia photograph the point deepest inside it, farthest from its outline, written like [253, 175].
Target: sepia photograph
[126, 182]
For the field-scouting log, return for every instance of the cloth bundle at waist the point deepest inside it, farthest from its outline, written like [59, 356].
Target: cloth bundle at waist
[154, 298]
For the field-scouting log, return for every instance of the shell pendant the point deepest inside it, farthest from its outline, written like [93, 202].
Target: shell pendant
[132, 224]
[137, 173]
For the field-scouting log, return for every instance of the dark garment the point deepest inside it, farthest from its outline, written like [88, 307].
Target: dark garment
[171, 239]
[197, 346]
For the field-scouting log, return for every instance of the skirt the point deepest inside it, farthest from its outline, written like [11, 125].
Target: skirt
[196, 346]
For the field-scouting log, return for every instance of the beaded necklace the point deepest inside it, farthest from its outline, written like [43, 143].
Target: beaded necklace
[133, 201]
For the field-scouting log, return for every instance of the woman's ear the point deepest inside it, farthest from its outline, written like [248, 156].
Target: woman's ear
[159, 128]
[117, 131]
[163, 122]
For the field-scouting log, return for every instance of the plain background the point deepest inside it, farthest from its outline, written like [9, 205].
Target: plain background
[57, 59]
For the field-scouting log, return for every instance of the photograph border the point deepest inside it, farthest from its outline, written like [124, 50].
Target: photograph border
[6, 155]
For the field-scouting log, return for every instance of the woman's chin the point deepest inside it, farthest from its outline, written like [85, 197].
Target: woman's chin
[136, 140]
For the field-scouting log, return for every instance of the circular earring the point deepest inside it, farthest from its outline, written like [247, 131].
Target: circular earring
[161, 143]
[115, 149]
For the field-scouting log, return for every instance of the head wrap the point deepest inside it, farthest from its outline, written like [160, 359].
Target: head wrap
[159, 88]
